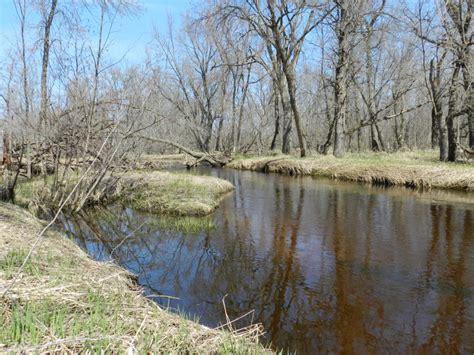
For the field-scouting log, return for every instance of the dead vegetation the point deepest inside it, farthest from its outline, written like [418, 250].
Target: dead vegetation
[415, 170]
[215, 159]
[176, 194]
[65, 302]
[173, 193]
[159, 162]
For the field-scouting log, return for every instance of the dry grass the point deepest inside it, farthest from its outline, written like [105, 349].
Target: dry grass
[148, 191]
[160, 162]
[65, 302]
[413, 169]
[173, 193]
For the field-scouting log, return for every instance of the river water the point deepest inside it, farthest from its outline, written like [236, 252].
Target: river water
[325, 266]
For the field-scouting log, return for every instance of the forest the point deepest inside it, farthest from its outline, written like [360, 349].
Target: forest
[237, 77]
[379, 93]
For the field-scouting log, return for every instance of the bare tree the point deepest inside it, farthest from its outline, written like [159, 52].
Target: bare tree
[283, 27]
[48, 17]
[452, 22]
[346, 22]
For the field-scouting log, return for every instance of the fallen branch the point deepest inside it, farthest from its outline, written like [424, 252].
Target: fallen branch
[214, 159]
[469, 153]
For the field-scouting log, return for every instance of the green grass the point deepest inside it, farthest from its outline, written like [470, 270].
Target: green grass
[188, 225]
[12, 262]
[173, 193]
[104, 321]
[37, 194]
[28, 190]
[66, 302]
[99, 325]
[26, 324]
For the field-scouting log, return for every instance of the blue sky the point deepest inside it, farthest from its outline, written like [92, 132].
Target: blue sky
[131, 33]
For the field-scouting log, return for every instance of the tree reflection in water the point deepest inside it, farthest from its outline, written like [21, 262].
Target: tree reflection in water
[327, 267]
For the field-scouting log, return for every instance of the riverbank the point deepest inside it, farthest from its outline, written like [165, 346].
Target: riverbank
[175, 194]
[65, 302]
[410, 169]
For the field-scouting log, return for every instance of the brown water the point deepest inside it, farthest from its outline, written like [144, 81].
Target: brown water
[327, 267]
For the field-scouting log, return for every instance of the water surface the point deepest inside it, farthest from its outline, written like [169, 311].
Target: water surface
[326, 266]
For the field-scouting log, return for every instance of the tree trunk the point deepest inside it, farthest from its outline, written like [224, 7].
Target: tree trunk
[287, 120]
[452, 107]
[28, 160]
[276, 103]
[339, 140]
[219, 132]
[45, 62]
[207, 139]
[340, 90]
[469, 90]
[434, 128]
[451, 139]
[438, 126]
[471, 129]
[287, 128]
[6, 191]
[400, 132]
[242, 107]
[380, 137]
[290, 79]
[329, 139]
[443, 139]
[234, 115]
[374, 146]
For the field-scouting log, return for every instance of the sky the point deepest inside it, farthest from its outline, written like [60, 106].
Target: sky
[131, 33]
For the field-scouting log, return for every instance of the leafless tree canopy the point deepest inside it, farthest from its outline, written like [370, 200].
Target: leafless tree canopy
[237, 76]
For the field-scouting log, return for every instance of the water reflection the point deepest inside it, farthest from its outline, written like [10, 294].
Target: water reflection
[327, 267]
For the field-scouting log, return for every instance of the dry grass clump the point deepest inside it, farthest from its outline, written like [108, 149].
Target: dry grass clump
[173, 193]
[417, 170]
[65, 302]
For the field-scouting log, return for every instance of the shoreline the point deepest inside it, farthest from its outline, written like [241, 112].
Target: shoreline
[65, 301]
[174, 194]
[413, 170]
[161, 192]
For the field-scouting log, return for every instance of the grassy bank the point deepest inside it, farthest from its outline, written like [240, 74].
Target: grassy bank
[65, 302]
[175, 194]
[411, 169]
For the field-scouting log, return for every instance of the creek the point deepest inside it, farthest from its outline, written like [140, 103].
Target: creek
[325, 266]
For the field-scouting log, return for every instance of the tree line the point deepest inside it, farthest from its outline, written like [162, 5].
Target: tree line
[328, 76]
[236, 76]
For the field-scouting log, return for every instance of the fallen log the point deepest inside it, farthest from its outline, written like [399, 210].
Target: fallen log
[214, 159]
[468, 153]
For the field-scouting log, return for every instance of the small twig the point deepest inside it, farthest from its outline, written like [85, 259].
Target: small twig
[225, 311]
[131, 349]
[235, 320]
